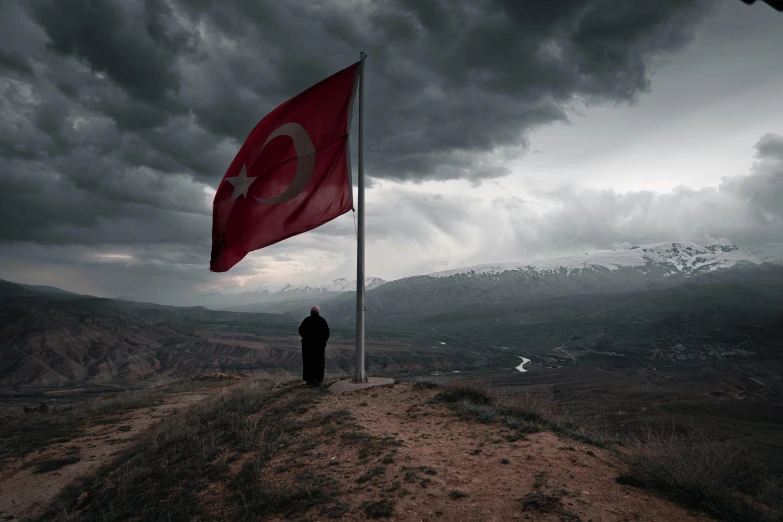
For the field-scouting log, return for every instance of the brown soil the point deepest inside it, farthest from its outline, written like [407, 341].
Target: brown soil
[24, 493]
[449, 469]
[386, 451]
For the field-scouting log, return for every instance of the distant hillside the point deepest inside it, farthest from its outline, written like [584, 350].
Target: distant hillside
[49, 289]
[8, 288]
[55, 339]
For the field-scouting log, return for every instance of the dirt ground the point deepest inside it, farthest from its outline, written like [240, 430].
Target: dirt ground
[24, 493]
[444, 468]
[387, 452]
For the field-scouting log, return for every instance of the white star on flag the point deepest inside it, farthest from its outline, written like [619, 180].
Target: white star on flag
[241, 184]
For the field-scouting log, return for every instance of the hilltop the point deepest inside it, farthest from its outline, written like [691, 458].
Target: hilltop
[267, 450]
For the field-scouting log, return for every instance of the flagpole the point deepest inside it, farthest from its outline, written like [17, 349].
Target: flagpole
[360, 376]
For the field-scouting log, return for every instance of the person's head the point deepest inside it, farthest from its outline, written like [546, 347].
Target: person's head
[315, 310]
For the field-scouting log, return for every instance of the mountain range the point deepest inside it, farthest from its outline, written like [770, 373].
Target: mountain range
[494, 286]
[259, 298]
[640, 267]
[640, 300]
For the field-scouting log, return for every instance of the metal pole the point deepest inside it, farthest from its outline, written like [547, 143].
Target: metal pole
[360, 376]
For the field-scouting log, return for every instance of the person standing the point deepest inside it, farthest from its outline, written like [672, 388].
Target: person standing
[314, 332]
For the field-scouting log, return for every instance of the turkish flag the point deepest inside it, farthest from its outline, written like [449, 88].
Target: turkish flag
[291, 175]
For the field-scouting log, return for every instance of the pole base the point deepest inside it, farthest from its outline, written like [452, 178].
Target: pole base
[349, 385]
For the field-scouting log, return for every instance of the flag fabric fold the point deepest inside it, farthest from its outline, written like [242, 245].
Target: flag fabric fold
[291, 175]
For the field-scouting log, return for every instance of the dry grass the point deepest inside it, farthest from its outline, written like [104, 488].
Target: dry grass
[164, 474]
[473, 391]
[698, 470]
[230, 438]
[476, 399]
[379, 509]
[22, 435]
[691, 467]
[40, 426]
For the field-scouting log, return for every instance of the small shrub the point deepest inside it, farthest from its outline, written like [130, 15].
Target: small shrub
[521, 425]
[483, 413]
[540, 480]
[335, 511]
[542, 502]
[380, 509]
[456, 495]
[426, 385]
[356, 436]
[630, 480]
[370, 474]
[470, 391]
[336, 415]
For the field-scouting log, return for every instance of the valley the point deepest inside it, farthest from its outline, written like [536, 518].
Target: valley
[703, 350]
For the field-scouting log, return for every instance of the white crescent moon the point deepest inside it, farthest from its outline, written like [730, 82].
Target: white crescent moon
[305, 161]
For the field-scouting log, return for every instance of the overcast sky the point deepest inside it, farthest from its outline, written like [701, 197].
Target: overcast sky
[496, 130]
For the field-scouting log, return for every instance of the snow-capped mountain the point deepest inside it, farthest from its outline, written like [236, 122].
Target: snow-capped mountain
[336, 286]
[484, 288]
[679, 258]
[242, 298]
[263, 295]
[291, 297]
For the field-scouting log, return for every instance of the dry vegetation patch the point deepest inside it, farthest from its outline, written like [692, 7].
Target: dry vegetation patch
[43, 425]
[698, 470]
[220, 444]
[474, 399]
[46, 449]
[687, 466]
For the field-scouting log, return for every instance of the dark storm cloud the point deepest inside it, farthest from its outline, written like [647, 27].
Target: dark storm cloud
[117, 117]
[128, 41]
[443, 78]
[140, 102]
[770, 146]
[12, 64]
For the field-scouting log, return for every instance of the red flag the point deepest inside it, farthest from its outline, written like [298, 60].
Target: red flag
[291, 175]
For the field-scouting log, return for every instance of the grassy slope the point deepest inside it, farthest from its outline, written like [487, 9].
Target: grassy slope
[233, 457]
[40, 426]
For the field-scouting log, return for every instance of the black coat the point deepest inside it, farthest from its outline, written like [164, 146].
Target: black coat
[315, 332]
